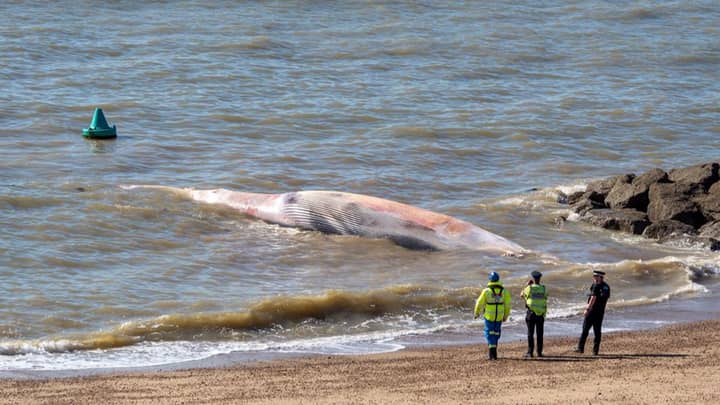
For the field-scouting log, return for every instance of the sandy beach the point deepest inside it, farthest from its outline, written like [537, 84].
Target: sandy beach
[675, 364]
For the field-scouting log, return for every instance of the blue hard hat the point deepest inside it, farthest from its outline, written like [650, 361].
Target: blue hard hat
[494, 277]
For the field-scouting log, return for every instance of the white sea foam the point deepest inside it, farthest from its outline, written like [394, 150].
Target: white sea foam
[570, 188]
[680, 291]
[36, 356]
[11, 348]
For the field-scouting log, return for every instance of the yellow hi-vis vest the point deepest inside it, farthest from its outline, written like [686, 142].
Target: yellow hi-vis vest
[536, 298]
[494, 302]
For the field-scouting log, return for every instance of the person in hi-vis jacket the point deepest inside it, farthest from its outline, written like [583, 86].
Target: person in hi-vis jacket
[494, 304]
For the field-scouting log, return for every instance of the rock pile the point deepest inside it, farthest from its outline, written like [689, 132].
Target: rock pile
[679, 204]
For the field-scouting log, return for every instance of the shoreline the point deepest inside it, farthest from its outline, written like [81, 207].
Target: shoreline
[673, 363]
[639, 318]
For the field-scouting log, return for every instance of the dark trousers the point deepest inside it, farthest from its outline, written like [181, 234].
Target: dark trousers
[534, 323]
[593, 321]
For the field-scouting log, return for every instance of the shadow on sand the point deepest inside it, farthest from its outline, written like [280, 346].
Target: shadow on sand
[619, 356]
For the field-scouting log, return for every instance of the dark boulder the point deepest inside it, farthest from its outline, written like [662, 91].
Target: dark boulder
[625, 195]
[604, 186]
[710, 230]
[672, 201]
[704, 175]
[709, 235]
[635, 194]
[562, 198]
[590, 200]
[709, 206]
[665, 228]
[660, 191]
[710, 203]
[714, 189]
[583, 206]
[668, 206]
[651, 176]
[575, 197]
[712, 244]
[626, 220]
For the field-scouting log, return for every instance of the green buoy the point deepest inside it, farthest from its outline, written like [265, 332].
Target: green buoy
[99, 128]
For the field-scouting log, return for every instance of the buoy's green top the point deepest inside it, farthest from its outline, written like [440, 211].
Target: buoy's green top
[99, 127]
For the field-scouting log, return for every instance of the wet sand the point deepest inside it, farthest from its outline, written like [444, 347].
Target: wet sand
[675, 364]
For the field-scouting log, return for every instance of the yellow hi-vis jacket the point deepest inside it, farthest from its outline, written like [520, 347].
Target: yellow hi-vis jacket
[494, 303]
[536, 298]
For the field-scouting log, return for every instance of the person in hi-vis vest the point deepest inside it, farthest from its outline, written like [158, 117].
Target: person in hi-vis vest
[535, 296]
[494, 304]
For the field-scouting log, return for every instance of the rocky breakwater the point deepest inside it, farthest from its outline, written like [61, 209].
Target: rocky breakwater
[681, 206]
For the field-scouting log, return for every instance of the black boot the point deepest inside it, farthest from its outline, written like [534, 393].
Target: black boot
[596, 350]
[580, 347]
[493, 353]
[490, 354]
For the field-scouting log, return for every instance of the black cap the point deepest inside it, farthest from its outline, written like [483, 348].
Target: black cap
[598, 273]
[536, 275]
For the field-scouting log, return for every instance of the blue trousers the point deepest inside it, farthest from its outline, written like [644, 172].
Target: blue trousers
[492, 332]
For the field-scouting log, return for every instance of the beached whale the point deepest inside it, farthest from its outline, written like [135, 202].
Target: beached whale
[342, 213]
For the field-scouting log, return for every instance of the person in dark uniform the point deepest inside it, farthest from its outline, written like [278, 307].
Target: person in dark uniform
[595, 311]
[535, 297]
